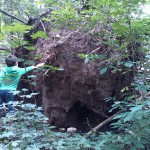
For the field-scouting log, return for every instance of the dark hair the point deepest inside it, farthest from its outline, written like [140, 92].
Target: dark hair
[11, 60]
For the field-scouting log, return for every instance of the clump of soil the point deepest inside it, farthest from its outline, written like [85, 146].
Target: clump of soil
[76, 95]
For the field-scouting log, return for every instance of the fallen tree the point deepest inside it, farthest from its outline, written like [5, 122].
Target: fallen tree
[83, 69]
[76, 95]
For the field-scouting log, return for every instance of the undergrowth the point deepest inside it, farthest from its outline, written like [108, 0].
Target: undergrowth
[28, 129]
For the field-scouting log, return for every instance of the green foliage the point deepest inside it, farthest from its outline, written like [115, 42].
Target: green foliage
[134, 126]
[103, 70]
[21, 9]
[28, 129]
[41, 34]
[89, 57]
[71, 13]
[16, 27]
[128, 64]
[53, 68]
[14, 34]
[29, 47]
[65, 14]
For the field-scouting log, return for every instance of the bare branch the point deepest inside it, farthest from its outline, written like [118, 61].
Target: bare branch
[43, 26]
[12, 16]
[103, 123]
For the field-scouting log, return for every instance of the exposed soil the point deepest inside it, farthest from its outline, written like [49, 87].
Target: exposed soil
[76, 95]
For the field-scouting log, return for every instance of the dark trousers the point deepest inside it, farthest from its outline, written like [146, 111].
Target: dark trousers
[6, 96]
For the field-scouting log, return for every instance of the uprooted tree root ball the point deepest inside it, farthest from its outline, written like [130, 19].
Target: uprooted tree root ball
[75, 95]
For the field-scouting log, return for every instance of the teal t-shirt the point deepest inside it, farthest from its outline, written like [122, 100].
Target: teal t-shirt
[10, 76]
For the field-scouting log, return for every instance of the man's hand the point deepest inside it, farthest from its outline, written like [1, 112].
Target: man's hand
[39, 65]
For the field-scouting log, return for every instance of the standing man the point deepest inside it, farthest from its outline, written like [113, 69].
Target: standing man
[9, 79]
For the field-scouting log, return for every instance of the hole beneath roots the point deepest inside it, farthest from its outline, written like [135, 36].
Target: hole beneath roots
[82, 117]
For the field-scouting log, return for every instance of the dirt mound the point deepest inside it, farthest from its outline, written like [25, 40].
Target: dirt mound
[75, 96]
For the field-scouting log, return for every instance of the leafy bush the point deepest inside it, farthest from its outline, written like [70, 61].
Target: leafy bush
[132, 129]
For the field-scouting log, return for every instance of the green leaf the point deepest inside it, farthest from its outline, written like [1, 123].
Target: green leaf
[41, 34]
[103, 70]
[29, 47]
[141, 87]
[17, 27]
[46, 19]
[32, 76]
[139, 145]
[129, 117]
[128, 64]
[136, 108]
[82, 55]
[16, 143]
[26, 135]
[35, 93]
[28, 96]
[8, 134]
[24, 89]
[54, 68]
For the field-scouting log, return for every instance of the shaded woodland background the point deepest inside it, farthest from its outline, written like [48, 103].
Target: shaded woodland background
[95, 65]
